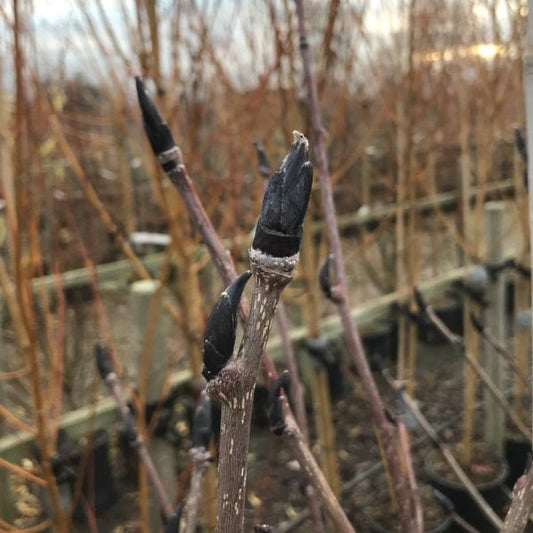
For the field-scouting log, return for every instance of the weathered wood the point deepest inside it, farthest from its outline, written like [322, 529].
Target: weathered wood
[495, 366]
[234, 388]
[140, 300]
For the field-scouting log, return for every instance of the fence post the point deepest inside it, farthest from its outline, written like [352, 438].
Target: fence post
[495, 321]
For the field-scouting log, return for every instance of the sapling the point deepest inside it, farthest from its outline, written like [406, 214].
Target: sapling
[386, 430]
[171, 161]
[109, 377]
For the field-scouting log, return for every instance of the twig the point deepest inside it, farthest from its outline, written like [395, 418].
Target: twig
[450, 459]
[376, 468]
[294, 439]
[406, 451]
[200, 458]
[353, 340]
[110, 378]
[499, 347]
[521, 505]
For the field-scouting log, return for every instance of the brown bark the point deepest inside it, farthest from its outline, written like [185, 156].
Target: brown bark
[234, 388]
[522, 503]
[353, 341]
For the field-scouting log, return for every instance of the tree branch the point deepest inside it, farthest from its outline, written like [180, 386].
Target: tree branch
[386, 431]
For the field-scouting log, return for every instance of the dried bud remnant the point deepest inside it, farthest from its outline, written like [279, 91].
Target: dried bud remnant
[279, 228]
[420, 300]
[103, 362]
[276, 418]
[478, 326]
[202, 423]
[219, 338]
[173, 523]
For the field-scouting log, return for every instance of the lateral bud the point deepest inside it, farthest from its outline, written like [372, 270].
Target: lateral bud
[276, 417]
[172, 525]
[103, 361]
[202, 423]
[219, 337]
[420, 300]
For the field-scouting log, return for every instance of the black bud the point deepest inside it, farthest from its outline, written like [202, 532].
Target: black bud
[523, 270]
[156, 128]
[202, 423]
[420, 300]
[219, 338]
[318, 349]
[276, 417]
[415, 318]
[324, 278]
[520, 143]
[172, 525]
[478, 326]
[262, 528]
[262, 160]
[103, 361]
[279, 228]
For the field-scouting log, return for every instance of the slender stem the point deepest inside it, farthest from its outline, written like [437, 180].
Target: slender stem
[200, 461]
[353, 341]
[294, 438]
[406, 451]
[505, 353]
[115, 389]
[528, 88]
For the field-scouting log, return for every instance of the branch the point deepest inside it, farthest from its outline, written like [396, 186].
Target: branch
[499, 347]
[520, 510]
[109, 377]
[200, 457]
[386, 431]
